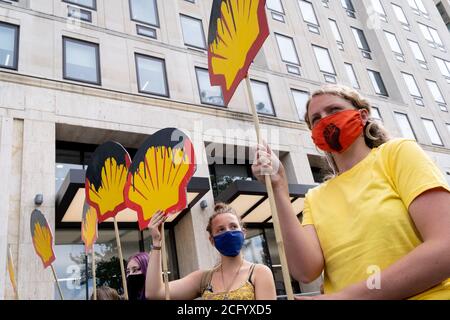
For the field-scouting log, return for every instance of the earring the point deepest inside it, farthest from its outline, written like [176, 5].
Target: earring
[368, 134]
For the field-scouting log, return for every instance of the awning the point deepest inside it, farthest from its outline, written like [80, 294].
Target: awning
[71, 197]
[249, 199]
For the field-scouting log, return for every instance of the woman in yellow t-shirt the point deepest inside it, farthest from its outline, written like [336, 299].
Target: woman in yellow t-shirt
[380, 227]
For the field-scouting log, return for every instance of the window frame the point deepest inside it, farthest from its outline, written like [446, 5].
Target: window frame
[158, 22]
[348, 65]
[369, 71]
[420, 96]
[97, 56]
[329, 57]
[196, 69]
[94, 8]
[136, 55]
[276, 34]
[424, 120]
[202, 30]
[409, 123]
[16, 28]
[270, 98]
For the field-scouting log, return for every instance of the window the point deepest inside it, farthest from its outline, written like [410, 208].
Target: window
[261, 95]
[9, 46]
[90, 4]
[352, 75]
[309, 16]
[418, 54]
[287, 49]
[444, 67]
[145, 11]
[348, 6]
[151, 75]
[405, 126]
[336, 33]
[193, 32]
[208, 94]
[361, 42]
[377, 82]
[324, 61]
[81, 61]
[275, 5]
[300, 99]
[412, 85]
[375, 113]
[401, 17]
[437, 94]
[276, 9]
[431, 35]
[146, 31]
[378, 7]
[77, 13]
[432, 132]
[418, 7]
[395, 46]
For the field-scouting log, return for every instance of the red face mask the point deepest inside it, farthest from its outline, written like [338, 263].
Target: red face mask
[337, 132]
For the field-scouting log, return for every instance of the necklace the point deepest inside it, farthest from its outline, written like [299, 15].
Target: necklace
[227, 291]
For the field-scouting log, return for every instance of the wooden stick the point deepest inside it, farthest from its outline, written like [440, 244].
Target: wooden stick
[273, 208]
[94, 281]
[57, 283]
[164, 262]
[122, 268]
[12, 275]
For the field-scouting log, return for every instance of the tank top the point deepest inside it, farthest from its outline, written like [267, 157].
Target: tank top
[244, 292]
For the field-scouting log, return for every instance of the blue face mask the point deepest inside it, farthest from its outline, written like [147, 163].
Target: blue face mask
[229, 243]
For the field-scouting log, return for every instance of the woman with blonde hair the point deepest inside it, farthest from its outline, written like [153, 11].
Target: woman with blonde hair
[233, 279]
[379, 227]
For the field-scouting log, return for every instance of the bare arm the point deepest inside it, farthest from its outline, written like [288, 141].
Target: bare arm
[424, 267]
[187, 288]
[303, 251]
[264, 283]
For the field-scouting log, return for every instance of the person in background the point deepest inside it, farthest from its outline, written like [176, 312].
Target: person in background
[233, 279]
[106, 293]
[136, 274]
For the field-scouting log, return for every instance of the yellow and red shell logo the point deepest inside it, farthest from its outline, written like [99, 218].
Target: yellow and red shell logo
[237, 31]
[106, 178]
[159, 174]
[42, 237]
[89, 227]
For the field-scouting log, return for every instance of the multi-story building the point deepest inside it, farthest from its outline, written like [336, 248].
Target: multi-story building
[444, 9]
[77, 73]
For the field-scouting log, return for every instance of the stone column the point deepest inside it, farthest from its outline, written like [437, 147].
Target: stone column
[38, 176]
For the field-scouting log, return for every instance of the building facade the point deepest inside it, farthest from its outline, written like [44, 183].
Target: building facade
[77, 73]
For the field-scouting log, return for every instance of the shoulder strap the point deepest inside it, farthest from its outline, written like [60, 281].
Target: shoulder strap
[252, 268]
[206, 280]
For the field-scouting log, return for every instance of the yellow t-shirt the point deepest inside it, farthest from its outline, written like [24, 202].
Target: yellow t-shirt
[361, 216]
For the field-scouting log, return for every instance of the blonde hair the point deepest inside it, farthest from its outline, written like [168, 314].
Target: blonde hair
[221, 208]
[374, 132]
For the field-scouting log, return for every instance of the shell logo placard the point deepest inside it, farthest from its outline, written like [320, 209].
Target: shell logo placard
[42, 237]
[159, 174]
[106, 177]
[237, 31]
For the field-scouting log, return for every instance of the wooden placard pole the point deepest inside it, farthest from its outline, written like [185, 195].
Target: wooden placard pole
[164, 262]
[122, 268]
[94, 280]
[56, 280]
[273, 208]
